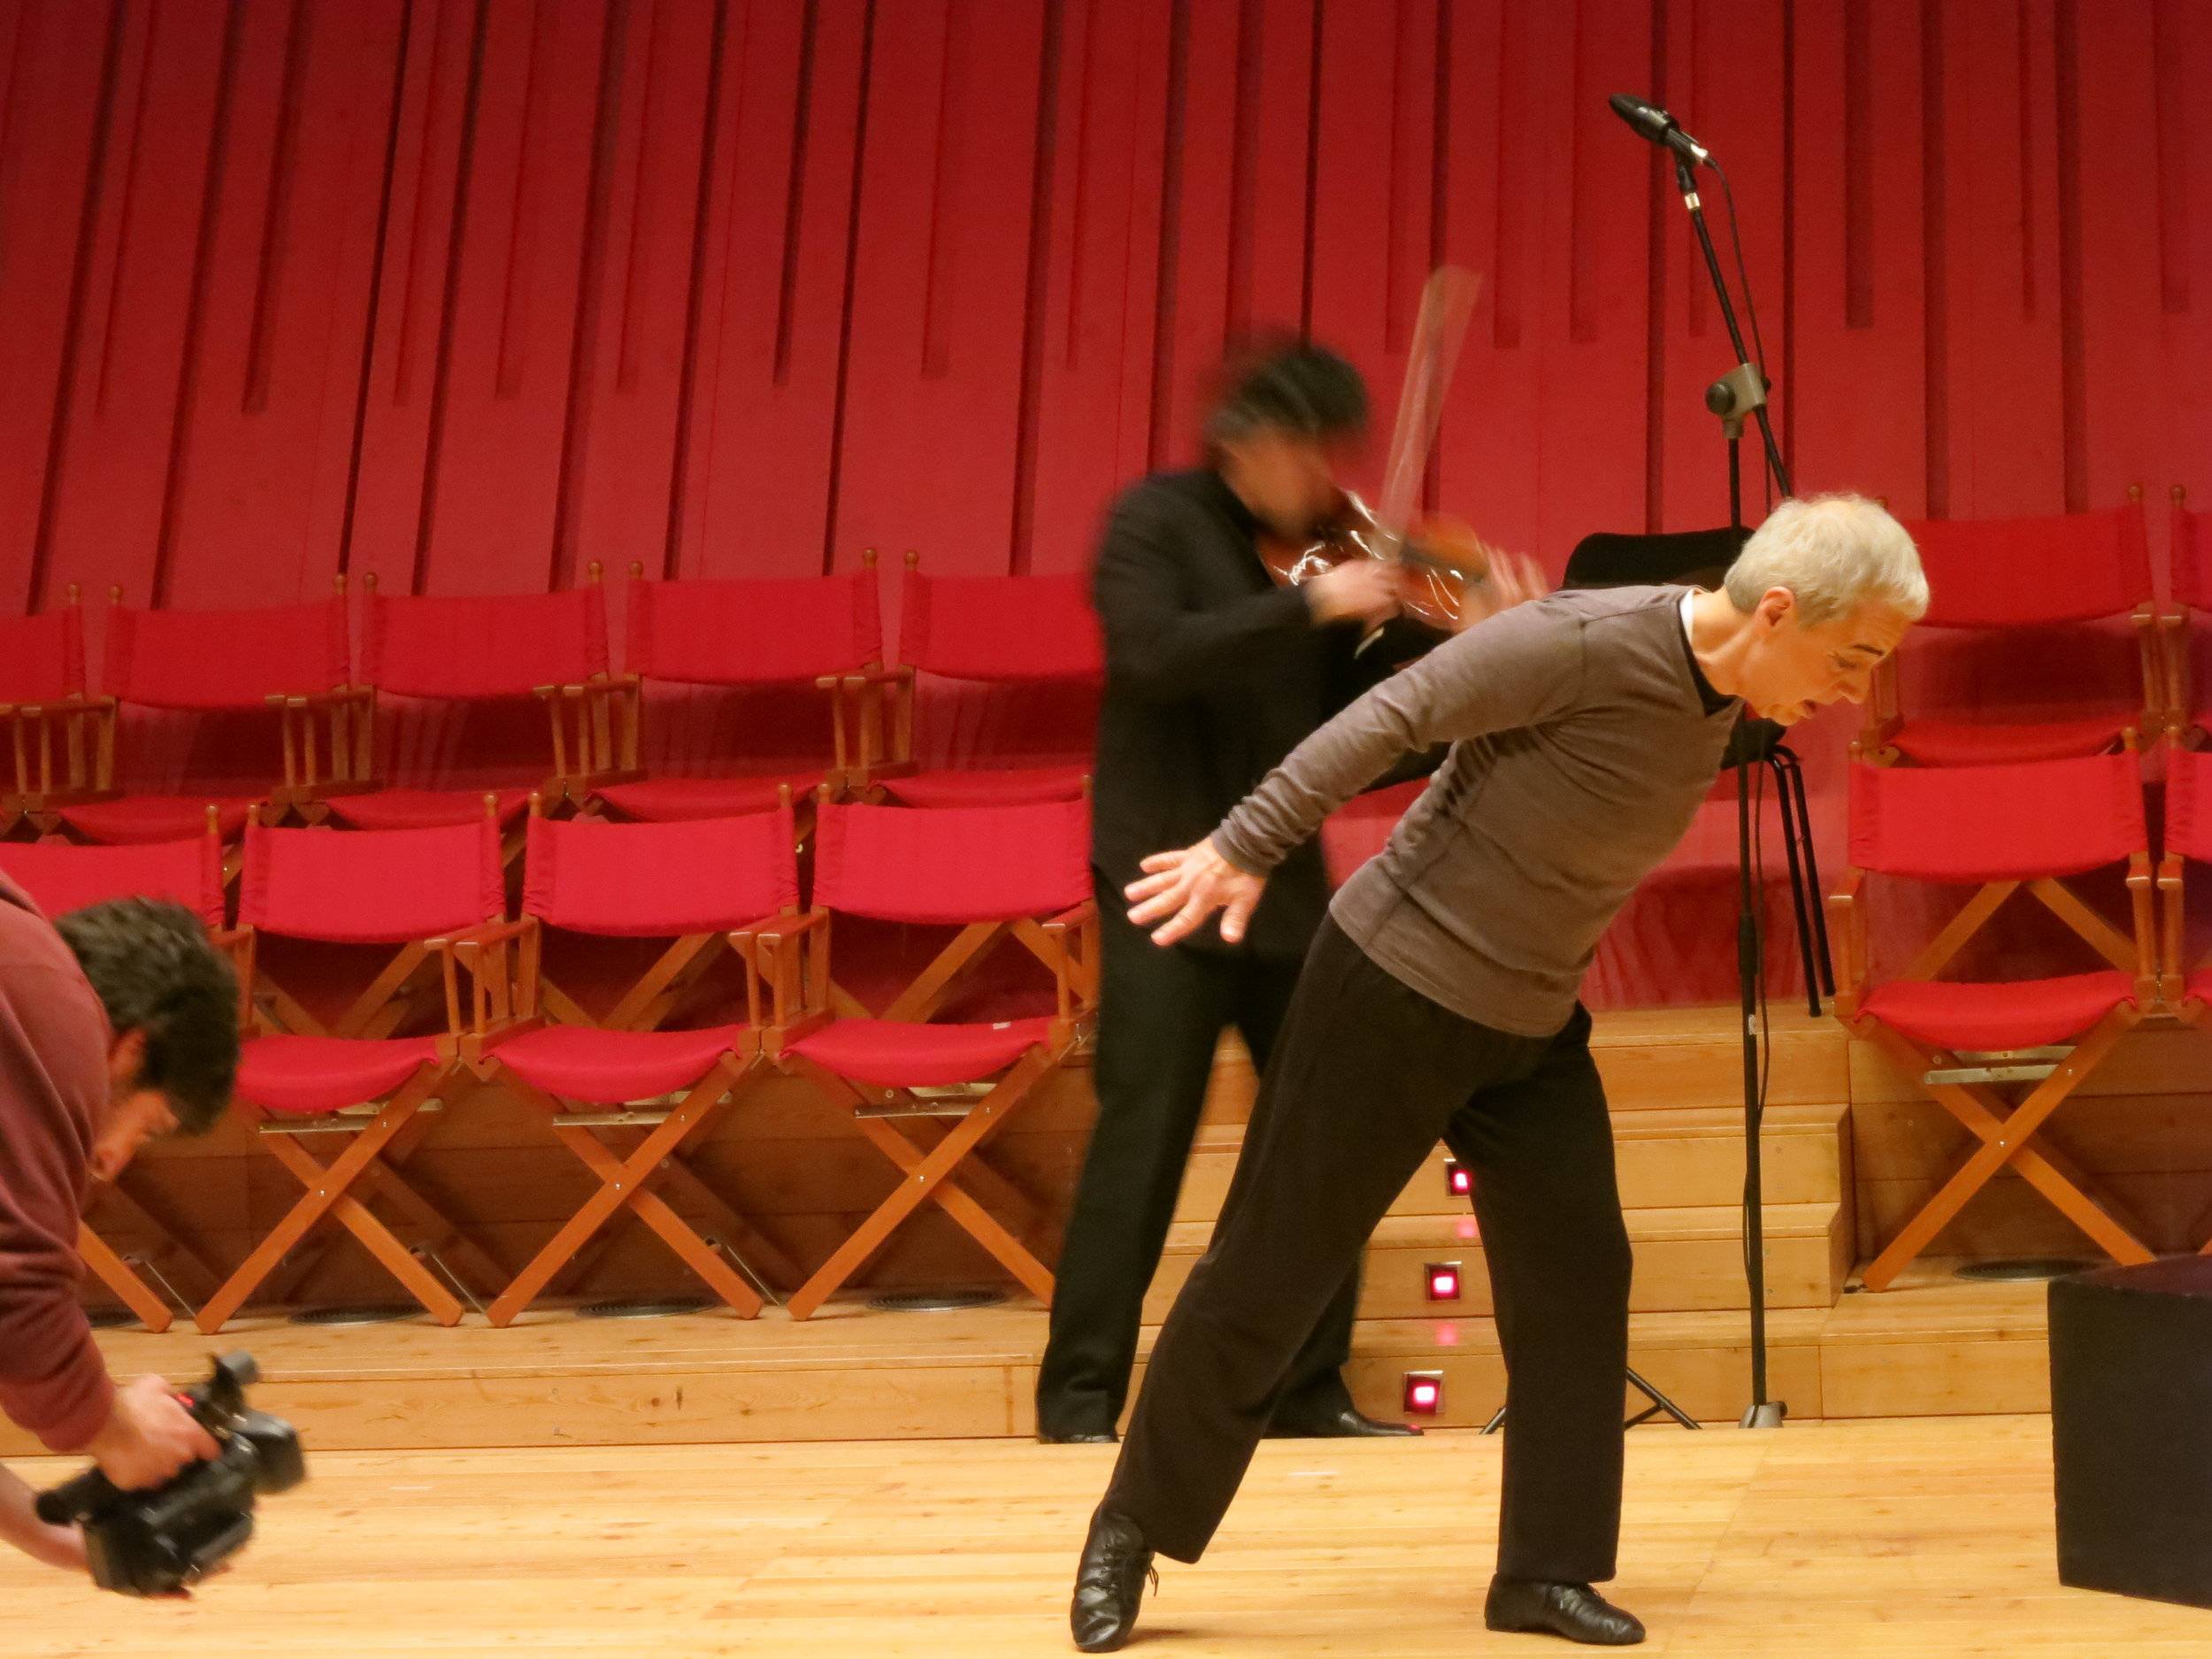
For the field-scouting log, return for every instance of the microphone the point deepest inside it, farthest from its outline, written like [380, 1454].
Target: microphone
[1648, 120]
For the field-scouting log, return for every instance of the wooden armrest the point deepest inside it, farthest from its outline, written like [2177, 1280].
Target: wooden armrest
[895, 674]
[482, 933]
[778, 927]
[329, 699]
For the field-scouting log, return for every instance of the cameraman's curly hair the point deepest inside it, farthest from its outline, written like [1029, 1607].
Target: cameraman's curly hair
[155, 970]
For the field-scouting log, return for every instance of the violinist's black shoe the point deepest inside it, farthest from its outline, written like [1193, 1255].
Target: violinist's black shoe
[1077, 1437]
[1573, 1610]
[1109, 1584]
[1345, 1424]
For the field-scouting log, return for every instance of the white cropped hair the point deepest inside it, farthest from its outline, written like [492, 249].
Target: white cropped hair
[1834, 553]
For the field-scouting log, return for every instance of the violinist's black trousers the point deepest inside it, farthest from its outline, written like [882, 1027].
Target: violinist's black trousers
[1160, 1015]
[1367, 1076]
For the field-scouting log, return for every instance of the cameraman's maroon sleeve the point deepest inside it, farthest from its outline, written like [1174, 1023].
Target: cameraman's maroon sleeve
[53, 1093]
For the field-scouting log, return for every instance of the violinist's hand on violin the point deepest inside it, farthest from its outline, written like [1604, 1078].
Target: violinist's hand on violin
[1359, 590]
[1187, 887]
[1515, 578]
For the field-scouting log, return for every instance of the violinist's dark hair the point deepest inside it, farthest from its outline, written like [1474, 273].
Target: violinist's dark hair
[1280, 383]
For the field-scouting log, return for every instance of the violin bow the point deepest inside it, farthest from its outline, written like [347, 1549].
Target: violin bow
[1447, 300]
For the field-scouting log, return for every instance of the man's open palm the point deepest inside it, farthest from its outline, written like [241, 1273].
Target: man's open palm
[1181, 889]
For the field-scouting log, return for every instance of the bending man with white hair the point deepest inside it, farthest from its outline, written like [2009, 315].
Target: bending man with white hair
[1440, 1003]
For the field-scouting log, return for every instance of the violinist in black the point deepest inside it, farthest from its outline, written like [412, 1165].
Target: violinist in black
[1214, 674]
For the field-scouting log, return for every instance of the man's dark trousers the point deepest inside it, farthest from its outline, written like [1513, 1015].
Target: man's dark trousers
[1367, 1077]
[1160, 1013]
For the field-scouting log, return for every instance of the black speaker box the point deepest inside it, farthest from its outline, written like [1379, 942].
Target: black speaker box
[2131, 1429]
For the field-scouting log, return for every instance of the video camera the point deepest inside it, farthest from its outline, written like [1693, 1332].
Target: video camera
[160, 1541]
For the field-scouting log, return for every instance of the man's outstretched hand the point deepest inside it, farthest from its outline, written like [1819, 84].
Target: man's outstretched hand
[1185, 888]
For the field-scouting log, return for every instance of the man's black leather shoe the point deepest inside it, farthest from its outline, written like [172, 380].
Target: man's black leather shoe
[1079, 1437]
[1346, 1425]
[1109, 1584]
[1573, 1610]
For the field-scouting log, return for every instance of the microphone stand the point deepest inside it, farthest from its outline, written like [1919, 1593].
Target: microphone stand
[1742, 391]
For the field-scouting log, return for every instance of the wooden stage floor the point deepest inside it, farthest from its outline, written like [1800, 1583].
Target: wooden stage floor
[1903, 1538]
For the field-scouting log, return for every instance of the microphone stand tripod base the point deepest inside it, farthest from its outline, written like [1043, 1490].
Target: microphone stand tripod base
[1768, 1414]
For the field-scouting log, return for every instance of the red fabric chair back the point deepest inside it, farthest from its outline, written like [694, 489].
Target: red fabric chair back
[651, 880]
[41, 657]
[371, 886]
[63, 878]
[953, 863]
[225, 659]
[754, 633]
[2189, 804]
[2193, 557]
[2055, 817]
[502, 646]
[2011, 572]
[1000, 627]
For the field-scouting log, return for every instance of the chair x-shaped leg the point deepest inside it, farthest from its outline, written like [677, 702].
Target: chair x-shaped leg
[630, 1183]
[2008, 1139]
[330, 1193]
[930, 1177]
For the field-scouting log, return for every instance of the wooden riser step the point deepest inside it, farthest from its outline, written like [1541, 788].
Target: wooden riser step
[1679, 1156]
[1932, 1347]
[1686, 1260]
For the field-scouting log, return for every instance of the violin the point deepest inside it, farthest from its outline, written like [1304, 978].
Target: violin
[1443, 564]
[1440, 558]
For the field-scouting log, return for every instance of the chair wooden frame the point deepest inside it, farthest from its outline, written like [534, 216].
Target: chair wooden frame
[795, 959]
[383, 1135]
[2007, 1131]
[630, 1179]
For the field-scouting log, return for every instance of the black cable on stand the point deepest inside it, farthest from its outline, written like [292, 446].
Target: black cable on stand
[1739, 393]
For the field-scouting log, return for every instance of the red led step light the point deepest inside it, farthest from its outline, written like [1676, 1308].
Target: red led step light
[1425, 1393]
[1459, 1180]
[1441, 1279]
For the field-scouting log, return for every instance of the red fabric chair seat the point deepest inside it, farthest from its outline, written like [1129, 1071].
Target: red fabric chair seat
[425, 808]
[137, 819]
[678, 800]
[901, 1054]
[2198, 984]
[305, 1075]
[2017, 1014]
[1957, 743]
[1010, 786]
[611, 1067]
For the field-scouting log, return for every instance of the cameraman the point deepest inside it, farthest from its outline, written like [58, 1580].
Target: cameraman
[119, 1023]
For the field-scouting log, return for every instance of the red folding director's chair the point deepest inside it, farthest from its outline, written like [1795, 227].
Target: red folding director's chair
[809, 632]
[295, 659]
[49, 721]
[63, 876]
[2002, 829]
[363, 1074]
[706, 878]
[457, 651]
[2010, 636]
[986, 630]
[1018, 872]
